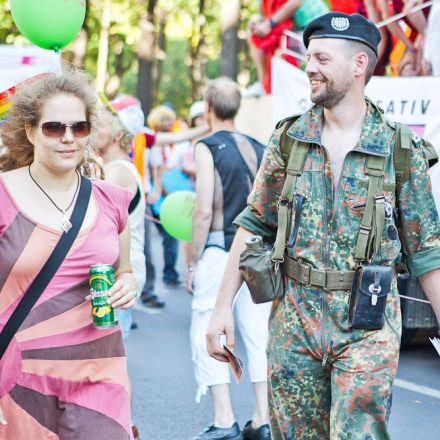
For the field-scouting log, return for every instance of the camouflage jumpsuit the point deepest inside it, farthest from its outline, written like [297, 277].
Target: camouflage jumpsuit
[327, 381]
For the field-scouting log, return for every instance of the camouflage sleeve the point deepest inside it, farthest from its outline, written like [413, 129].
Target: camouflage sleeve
[260, 216]
[420, 227]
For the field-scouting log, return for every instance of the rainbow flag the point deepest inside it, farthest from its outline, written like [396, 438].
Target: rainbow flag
[5, 97]
[5, 102]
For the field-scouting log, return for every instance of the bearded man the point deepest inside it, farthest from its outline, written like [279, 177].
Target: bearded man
[355, 205]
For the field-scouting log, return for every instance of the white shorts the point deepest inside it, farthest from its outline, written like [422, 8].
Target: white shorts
[252, 320]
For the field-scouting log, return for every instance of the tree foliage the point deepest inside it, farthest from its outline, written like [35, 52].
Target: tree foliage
[161, 50]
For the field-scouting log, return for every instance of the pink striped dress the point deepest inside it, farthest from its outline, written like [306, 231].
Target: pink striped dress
[60, 377]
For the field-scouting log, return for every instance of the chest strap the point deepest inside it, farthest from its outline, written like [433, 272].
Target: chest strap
[327, 279]
[295, 165]
[373, 220]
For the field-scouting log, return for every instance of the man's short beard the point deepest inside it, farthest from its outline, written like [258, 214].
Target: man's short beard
[331, 95]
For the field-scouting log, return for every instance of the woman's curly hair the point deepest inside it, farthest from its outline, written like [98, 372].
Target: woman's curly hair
[26, 110]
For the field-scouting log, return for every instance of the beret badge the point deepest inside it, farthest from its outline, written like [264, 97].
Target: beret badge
[340, 23]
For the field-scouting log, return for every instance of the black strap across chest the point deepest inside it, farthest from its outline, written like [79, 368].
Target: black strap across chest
[49, 269]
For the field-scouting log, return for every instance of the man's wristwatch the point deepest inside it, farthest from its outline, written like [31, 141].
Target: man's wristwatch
[272, 22]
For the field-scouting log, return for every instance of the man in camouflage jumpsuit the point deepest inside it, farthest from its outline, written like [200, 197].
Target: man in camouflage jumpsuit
[327, 380]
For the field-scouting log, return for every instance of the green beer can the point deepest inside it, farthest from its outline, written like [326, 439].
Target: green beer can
[101, 278]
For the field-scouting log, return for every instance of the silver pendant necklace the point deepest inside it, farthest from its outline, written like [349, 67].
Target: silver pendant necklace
[65, 224]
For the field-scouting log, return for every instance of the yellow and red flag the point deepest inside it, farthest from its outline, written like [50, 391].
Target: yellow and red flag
[6, 96]
[5, 102]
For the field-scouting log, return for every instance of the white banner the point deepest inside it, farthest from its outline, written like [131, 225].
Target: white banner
[411, 100]
[18, 63]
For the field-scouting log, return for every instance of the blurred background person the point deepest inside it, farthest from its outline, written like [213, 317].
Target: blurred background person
[226, 163]
[161, 119]
[147, 155]
[266, 30]
[114, 144]
[182, 153]
[183, 158]
[432, 44]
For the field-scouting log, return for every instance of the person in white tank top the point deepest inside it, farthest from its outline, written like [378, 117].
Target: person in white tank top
[114, 144]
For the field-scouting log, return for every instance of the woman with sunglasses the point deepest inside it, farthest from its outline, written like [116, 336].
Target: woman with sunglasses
[60, 377]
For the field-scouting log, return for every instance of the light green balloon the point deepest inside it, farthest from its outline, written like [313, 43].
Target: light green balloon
[50, 24]
[176, 214]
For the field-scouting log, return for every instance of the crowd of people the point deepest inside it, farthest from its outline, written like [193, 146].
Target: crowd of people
[407, 47]
[94, 172]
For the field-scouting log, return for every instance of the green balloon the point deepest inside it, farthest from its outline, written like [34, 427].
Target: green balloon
[50, 24]
[176, 214]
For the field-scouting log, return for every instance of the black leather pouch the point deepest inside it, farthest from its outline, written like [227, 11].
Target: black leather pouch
[368, 299]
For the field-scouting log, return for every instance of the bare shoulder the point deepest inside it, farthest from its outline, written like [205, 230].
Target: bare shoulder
[202, 152]
[121, 176]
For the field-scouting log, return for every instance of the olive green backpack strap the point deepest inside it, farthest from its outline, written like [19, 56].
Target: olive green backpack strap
[402, 154]
[430, 153]
[286, 142]
[373, 220]
[297, 157]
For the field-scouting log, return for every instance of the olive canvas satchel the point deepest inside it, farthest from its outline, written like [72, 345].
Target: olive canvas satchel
[259, 264]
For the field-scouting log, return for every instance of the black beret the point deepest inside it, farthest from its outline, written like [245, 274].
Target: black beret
[340, 25]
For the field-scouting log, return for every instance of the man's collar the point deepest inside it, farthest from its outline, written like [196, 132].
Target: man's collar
[308, 128]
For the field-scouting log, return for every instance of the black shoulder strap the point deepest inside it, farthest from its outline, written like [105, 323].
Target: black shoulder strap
[214, 139]
[219, 138]
[245, 165]
[253, 141]
[49, 269]
[134, 201]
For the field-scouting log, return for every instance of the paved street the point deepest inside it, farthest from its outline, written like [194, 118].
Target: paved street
[164, 387]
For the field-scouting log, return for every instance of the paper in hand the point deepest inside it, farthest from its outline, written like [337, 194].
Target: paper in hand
[436, 344]
[235, 363]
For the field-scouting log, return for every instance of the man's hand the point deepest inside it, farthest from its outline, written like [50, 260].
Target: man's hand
[221, 323]
[2, 418]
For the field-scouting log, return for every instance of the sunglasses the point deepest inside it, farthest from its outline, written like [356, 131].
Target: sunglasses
[79, 129]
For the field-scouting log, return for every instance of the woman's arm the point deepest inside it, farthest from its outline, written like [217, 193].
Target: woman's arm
[418, 18]
[2, 418]
[164, 138]
[394, 27]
